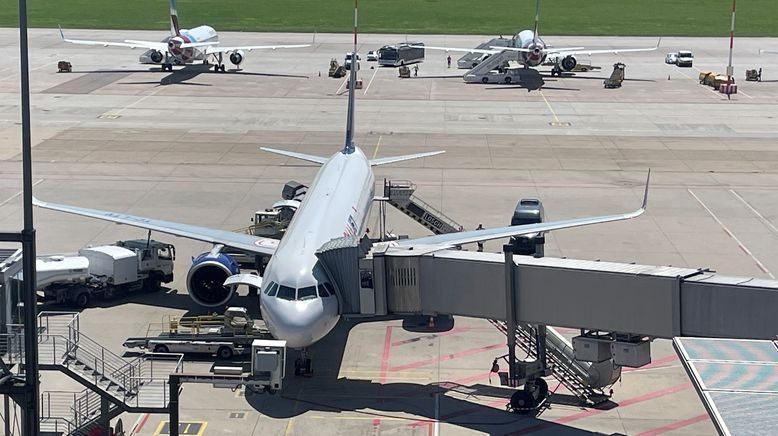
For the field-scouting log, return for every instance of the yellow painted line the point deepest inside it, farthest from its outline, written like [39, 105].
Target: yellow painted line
[158, 431]
[202, 428]
[289, 427]
[556, 119]
[377, 146]
[185, 430]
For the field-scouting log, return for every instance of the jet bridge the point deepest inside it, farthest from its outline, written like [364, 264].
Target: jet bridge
[618, 307]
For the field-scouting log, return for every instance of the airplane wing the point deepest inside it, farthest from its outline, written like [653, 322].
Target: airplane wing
[450, 240]
[249, 243]
[213, 49]
[493, 50]
[302, 156]
[393, 159]
[582, 50]
[127, 43]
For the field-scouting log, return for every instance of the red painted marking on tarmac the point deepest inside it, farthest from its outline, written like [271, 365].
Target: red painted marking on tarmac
[628, 402]
[675, 425]
[446, 357]
[431, 336]
[458, 413]
[654, 363]
[140, 425]
[429, 429]
[385, 355]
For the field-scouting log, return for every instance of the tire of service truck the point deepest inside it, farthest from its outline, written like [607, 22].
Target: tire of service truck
[507, 80]
[224, 353]
[522, 402]
[161, 348]
[81, 299]
[485, 80]
[153, 283]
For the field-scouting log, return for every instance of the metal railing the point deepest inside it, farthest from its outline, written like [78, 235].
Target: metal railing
[407, 188]
[62, 344]
[571, 373]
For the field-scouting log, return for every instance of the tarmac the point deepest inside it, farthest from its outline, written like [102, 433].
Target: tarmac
[183, 146]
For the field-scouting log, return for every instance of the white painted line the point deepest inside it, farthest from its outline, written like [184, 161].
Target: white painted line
[342, 85]
[751, 208]
[371, 80]
[113, 115]
[732, 235]
[19, 193]
[436, 425]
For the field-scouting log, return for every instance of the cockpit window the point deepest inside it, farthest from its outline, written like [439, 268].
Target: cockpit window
[306, 293]
[286, 293]
[271, 289]
[323, 291]
[330, 289]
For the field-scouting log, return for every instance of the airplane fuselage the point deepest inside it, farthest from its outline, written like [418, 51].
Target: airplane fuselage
[200, 34]
[337, 204]
[526, 39]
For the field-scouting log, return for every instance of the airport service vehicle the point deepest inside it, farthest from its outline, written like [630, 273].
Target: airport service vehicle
[503, 74]
[401, 54]
[671, 58]
[105, 271]
[617, 76]
[226, 335]
[528, 211]
[347, 62]
[533, 51]
[714, 80]
[184, 46]
[754, 75]
[299, 301]
[685, 59]
[372, 56]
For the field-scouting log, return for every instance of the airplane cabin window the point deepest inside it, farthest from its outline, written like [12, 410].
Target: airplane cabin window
[306, 293]
[329, 288]
[286, 293]
[323, 291]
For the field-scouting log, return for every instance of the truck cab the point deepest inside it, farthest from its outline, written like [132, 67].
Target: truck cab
[155, 258]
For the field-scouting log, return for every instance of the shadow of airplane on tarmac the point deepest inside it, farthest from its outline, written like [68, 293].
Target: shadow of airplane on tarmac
[395, 406]
[188, 72]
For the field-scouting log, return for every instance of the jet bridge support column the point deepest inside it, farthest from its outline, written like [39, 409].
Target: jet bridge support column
[510, 300]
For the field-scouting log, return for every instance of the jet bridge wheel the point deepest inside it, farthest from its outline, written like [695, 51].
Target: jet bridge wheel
[522, 402]
[538, 389]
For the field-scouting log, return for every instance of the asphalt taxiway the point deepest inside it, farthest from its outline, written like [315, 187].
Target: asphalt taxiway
[183, 146]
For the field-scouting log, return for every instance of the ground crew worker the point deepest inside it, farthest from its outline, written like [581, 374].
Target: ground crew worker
[448, 60]
[415, 70]
[480, 243]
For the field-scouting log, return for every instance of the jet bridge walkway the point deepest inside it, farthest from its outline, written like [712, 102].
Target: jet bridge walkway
[618, 307]
[113, 384]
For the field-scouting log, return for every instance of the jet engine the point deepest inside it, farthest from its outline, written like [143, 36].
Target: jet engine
[236, 57]
[205, 280]
[156, 56]
[568, 63]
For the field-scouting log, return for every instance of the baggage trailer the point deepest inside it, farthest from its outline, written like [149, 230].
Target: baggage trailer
[225, 335]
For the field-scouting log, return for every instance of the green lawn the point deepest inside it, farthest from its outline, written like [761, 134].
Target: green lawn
[558, 17]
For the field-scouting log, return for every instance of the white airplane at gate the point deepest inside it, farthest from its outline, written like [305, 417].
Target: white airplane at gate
[185, 46]
[533, 51]
[298, 299]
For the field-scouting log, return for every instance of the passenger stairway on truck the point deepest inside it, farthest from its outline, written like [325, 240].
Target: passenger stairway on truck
[493, 62]
[400, 194]
[568, 371]
[470, 60]
[138, 385]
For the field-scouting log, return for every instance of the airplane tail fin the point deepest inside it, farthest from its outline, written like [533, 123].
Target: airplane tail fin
[348, 147]
[174, 29]
[537, 21]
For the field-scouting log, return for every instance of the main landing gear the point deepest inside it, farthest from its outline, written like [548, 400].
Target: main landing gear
[302, 365]
[219, 65]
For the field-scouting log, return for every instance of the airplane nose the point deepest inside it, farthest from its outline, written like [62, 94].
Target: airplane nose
[300, 323]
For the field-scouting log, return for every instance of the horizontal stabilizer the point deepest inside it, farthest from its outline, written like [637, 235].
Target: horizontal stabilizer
[393, 159]
[302, 156]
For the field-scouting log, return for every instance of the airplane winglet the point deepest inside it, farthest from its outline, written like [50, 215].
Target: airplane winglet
[657, 47]
[61, 33]
[645, 193]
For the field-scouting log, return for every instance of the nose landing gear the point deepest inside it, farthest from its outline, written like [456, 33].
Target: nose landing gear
[302, 365]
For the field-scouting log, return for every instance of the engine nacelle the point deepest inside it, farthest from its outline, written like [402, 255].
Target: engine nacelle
[568, 63]
[156, 56]
[205, 280]
[236, 57]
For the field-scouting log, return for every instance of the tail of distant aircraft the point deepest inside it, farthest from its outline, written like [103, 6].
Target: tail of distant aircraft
[348, 147]
[537, 21]
[174, 29]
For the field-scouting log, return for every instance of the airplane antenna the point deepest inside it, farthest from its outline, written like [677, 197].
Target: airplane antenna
[348, 148]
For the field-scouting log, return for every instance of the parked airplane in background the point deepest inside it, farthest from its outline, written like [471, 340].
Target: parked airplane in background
[533, 51]
[298, 298]
[184, 46]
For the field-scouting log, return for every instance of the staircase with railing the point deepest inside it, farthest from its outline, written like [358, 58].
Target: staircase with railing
[400, 195]
[73, 413]
[582, 379]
